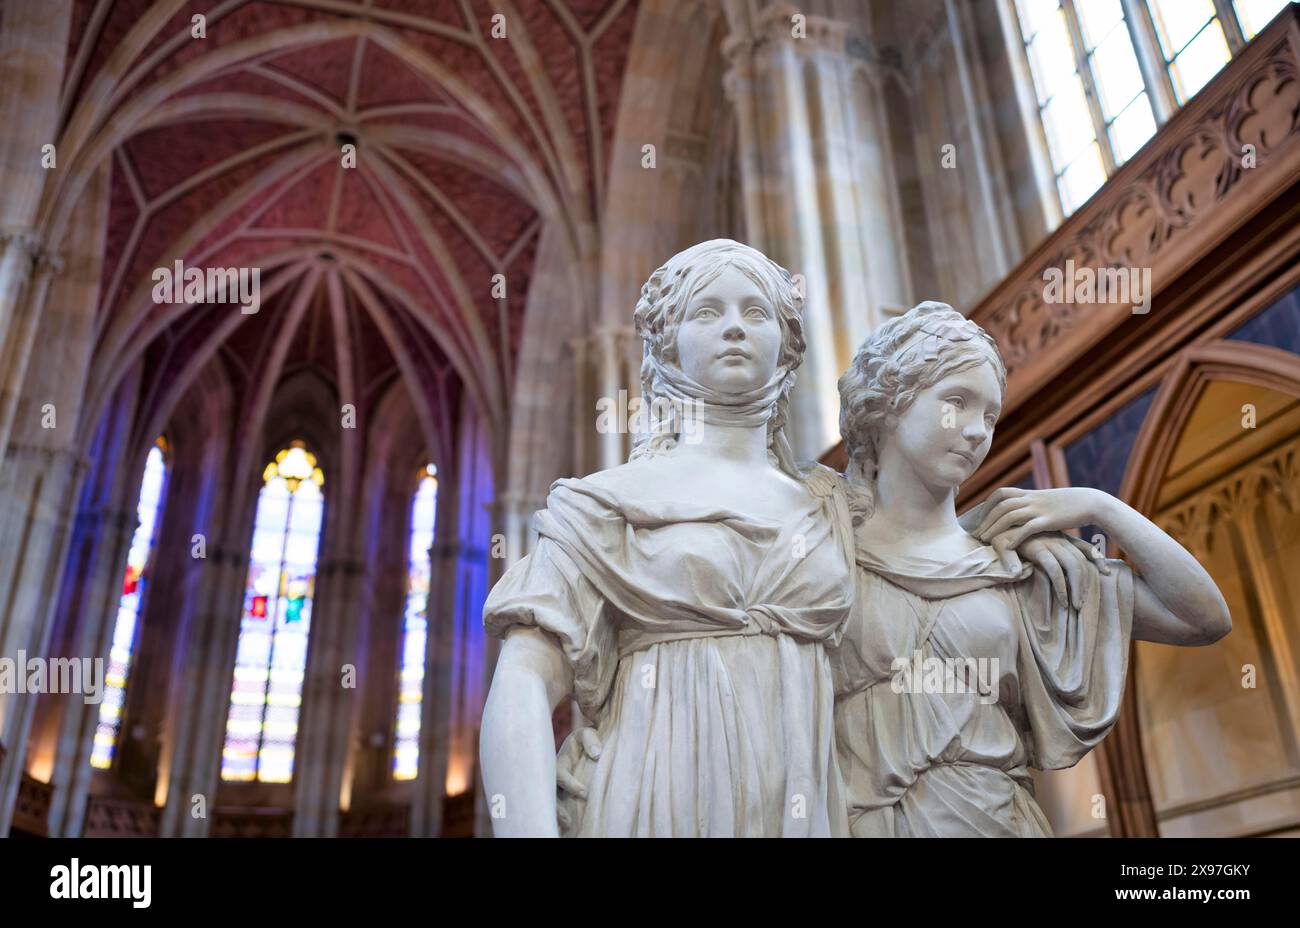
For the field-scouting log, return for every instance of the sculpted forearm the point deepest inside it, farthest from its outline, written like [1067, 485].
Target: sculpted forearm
[1177, 601]
[516, 743]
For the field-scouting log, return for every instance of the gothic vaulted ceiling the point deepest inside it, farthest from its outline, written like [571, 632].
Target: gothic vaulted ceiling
[228, 150]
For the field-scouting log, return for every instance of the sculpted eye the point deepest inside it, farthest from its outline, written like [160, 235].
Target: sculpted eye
[956, 401]
[756, 312]
[706, 312]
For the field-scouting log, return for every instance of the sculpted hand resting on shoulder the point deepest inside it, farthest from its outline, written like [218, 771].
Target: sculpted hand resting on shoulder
[959, 672]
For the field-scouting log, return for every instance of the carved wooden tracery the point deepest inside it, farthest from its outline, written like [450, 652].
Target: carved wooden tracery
[1153, 211]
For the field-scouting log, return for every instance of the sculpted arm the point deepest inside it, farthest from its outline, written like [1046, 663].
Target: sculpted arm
[1175, 599]
[516, 743]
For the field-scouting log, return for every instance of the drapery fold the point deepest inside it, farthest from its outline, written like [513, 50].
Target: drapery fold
[921, 762]
[697, 639]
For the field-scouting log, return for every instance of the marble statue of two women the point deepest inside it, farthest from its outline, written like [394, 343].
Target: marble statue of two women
[742, 631]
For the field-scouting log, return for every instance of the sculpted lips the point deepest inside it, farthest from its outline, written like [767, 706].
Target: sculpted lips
[734, 353]
[970, 459]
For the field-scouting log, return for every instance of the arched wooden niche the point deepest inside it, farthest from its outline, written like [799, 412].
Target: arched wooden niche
[1217, 465]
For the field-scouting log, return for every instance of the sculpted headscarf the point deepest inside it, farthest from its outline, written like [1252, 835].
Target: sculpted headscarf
[671, 396]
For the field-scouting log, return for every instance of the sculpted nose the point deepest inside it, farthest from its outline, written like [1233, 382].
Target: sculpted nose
[975, 432]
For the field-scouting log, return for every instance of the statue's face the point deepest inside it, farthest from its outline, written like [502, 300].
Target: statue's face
[947, 430]
[729, 338]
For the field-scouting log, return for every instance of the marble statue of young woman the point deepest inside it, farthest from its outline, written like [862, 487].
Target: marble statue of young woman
[921, 754]
[685, 598]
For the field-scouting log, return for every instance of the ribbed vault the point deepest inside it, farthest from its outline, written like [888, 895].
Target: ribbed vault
[229, 151]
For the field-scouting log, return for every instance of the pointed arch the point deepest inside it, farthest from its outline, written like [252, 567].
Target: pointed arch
[1242, 362]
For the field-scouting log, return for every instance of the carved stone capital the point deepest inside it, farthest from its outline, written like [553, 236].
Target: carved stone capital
[15, 237]
[777, 24]
[47, 261]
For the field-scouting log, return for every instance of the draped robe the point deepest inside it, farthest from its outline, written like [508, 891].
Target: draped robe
[697, 637]
[918, 763]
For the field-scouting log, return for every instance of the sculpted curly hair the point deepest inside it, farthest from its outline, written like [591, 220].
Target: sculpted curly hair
[663, 304]
[900, 359]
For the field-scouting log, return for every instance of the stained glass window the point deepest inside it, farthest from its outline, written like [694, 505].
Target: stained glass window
[138, 562]
[271, 658]
[415, 624]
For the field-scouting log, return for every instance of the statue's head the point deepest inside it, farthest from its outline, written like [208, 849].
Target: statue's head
[715, 302]
[926, 387]
[723, 323]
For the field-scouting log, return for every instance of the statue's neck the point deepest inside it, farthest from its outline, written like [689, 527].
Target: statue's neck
[736, 443]
[908, 508]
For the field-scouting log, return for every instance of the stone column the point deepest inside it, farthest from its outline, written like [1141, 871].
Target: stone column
[839, 187]
[61, 739]
[820, 190]
[581, 436]
[430, 787]
[382, 590]
[17, 348]
[40, 481]
[476, 581]
[323, 739]
[18, 250]
[514, 517]
[610, 380]
[33, 49]
[767, 85]
[40, 485]
[879, 214]
[108, 534]
[202, 692]
[144, 749]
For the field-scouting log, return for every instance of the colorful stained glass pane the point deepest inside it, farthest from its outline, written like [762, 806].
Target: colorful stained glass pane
[406, 751]
[271, 656]
[134, 582]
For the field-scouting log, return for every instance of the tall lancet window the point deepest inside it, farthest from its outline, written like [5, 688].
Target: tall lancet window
[1092, 99]
[415, 624]
[138, 564]
[1107, 72]
[272, 655]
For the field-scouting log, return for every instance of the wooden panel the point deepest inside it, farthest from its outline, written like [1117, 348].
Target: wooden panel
[121, 818]
[387, 821]
[252, 823]
[458, 815]
[32, 808]
[1184, 193]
